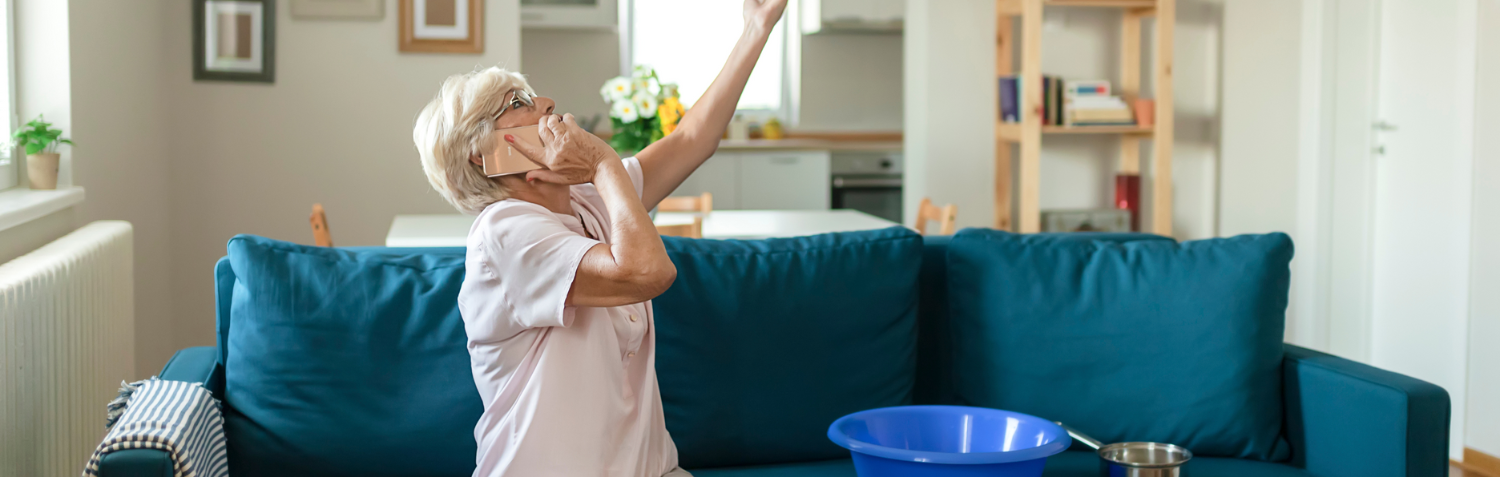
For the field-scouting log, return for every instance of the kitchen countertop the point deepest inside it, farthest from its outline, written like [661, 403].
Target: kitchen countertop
[810, 144]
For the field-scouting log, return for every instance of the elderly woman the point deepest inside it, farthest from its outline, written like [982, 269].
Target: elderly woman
[562, 265]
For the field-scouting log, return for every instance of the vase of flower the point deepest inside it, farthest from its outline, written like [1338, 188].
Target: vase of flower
[642, 109]
[40, 142]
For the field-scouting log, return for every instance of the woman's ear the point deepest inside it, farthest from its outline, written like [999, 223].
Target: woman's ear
[477, 160]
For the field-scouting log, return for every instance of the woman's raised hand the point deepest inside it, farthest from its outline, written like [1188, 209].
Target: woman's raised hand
[569, 154]
[763, 14]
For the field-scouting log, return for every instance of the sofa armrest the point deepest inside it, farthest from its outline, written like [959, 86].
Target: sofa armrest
[198, 365]
[1346, 419]
[136, 463]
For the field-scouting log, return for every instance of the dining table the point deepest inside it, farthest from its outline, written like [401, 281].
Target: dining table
[451, 230]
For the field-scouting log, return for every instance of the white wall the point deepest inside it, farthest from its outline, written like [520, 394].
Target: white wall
[570, 65]
[950, 91]
[1262, 49]
[335, 128]
[120, 116]
[949, 112]
[1483, 419]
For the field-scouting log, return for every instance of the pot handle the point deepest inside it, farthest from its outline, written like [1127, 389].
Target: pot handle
[1081, 437]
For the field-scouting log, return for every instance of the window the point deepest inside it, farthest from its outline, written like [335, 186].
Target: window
[10, 162]
[686, 41]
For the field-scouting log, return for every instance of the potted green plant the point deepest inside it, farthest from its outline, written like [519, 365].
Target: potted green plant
[40, 142]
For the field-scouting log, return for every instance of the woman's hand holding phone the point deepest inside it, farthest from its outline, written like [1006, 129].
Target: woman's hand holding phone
[569, 155]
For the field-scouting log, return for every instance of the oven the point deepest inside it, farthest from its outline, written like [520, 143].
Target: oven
[869, 182]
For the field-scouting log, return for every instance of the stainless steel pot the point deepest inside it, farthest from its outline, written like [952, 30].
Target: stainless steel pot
[1135, 459]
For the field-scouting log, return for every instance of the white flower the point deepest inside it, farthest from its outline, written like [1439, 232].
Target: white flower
[625, 111]
[646, 103]
[647, 85]
[616, 89]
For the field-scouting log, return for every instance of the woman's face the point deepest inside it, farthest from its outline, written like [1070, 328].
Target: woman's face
[518, 114]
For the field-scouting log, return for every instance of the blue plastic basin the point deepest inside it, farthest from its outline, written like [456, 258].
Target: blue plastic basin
[947, 441]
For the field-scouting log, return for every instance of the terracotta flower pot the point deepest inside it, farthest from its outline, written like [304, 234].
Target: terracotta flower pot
[42, 170]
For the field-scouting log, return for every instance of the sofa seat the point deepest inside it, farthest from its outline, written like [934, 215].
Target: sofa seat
[1086, 464]
[822, 468]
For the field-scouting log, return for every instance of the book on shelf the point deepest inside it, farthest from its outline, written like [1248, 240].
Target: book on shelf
[1089, 103]
[1010, 99]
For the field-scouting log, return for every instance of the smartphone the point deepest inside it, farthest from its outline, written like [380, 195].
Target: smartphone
[502, 159]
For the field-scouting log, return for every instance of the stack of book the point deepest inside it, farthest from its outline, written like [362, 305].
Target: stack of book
[1090, 104]
[1071, 103]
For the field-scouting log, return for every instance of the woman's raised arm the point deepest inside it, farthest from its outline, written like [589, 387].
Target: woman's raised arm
[668, 162]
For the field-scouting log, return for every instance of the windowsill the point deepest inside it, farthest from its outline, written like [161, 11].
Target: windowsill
[20, 205]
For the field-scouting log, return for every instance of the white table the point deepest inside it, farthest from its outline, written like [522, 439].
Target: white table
[450, 230]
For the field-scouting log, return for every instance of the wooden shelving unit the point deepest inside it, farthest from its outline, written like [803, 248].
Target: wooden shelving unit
[1029, 132]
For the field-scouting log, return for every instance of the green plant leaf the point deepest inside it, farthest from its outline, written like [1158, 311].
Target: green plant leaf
[33, 148]
[65, 141]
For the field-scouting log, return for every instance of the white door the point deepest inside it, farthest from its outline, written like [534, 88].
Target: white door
[790, 180]
[1423, 195]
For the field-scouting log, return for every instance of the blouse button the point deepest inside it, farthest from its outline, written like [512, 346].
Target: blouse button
[632, 318]
[630, 354]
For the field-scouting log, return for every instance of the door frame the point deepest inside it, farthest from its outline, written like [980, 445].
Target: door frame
[1331, 300]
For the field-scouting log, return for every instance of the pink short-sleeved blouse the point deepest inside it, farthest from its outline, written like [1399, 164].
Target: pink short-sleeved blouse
[567, 391]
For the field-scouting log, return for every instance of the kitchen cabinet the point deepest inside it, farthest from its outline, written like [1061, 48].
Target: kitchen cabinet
[719, 176]
[857, 15]
[796, 180]
[771, 180]
[569, 13]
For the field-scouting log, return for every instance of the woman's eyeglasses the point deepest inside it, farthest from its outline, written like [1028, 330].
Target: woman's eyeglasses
[518, 99]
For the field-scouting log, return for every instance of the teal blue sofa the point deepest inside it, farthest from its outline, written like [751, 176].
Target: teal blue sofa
[353, 362]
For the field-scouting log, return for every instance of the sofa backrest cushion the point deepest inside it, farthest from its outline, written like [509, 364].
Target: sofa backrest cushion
[934, 349]
[342, 362]
[762, 344]
[1136, 341]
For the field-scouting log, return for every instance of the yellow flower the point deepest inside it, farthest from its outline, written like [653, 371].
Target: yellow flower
[670, 111]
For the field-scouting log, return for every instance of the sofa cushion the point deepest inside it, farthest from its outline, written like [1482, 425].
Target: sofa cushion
[823, 468]
[346, 363]
[1086, 464]
[934, 354]
[1136, 341]
[762, 344]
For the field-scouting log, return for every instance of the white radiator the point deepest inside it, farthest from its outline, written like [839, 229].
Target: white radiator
[67, 339]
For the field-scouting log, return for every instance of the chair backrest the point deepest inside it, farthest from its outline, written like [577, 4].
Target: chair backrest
[700, 203]
[946, 217]
[321, 236]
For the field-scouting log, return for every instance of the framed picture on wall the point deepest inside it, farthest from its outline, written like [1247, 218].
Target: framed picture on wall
[442, 26]
[234, 40]
[369, 10]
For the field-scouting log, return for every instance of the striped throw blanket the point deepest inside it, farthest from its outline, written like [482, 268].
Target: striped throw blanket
[180, 418]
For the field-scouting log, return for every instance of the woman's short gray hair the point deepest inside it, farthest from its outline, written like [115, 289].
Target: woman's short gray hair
[459, 124]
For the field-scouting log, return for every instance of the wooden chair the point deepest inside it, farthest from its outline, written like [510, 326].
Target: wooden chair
[693, 230]
[946, 217]
[702, 204]
[321, 237]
